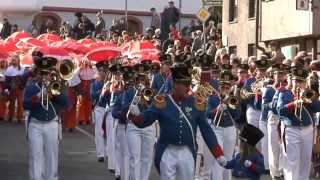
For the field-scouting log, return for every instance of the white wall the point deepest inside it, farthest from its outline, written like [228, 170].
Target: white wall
[280, 19]
[188, 6]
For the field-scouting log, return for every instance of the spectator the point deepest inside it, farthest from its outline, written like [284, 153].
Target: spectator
[88, 26]
[170, 16]
[78, 26]
[174, 31]
[149, 33]
[65, 29]
[15, 28]
[197, 41]
[6, 29]
[276, 54]
[167, 42]
[101, 24]
[187, 30]
[33, 29]
[155, 19]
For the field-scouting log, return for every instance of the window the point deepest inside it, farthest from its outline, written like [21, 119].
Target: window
[233, 50]
[251, 50]
[233, 10]
[252, 8]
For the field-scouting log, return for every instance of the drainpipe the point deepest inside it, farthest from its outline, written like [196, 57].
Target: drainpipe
[258, 31]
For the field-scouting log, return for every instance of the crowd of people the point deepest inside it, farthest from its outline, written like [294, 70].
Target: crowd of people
[256, 115]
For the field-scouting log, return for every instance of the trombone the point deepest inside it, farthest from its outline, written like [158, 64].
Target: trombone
[307, 96]
[230, 101]
[53, 86]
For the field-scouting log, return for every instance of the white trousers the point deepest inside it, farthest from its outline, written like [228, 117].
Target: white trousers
[299, 142]
[140, 144]
[227, 140]
[111, 124]
[177, 163]
[98, 131]
[43, 150]
[263, 144]
[274, 145]
[253, 116]
[121, 151]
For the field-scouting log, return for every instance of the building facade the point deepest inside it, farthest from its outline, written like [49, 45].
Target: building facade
[23, 12]
[294, 27]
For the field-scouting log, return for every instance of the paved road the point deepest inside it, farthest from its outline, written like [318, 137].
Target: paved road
[77, 156]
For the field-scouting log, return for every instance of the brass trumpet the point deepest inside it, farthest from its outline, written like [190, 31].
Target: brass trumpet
[66, 69]
[55, 88]
[255, 87]
[147, 94]
[308, 96]
[233, 102]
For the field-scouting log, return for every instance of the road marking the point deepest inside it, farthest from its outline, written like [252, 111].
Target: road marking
[85, 133]
[81, 153]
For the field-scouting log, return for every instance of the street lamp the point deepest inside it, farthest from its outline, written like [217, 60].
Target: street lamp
[126, 14]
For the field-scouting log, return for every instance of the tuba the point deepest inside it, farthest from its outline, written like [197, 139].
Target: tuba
[66, 69]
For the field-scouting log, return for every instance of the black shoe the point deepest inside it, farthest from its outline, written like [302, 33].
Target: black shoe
[101, 159]
[118, 178]
[112, 171]
[266, 172]
[70, 130]
[9, 120]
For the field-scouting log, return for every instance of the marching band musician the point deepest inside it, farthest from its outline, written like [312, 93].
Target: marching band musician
[179, 115]
[42, 131]
[222, 114]
[100, 96]
[3, 94]
[86, 74]
[296, 108]
[160, 78]
[270, 116]
[119, 112]
[140, 141]
[116, 89]
[249, 162]
[73, 91]
[14, 85]
[254, 100]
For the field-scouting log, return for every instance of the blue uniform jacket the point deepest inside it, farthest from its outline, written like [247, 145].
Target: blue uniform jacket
[121, 105]
[267, 97]
[95, 91]
[174, 128]
[168, 85]
[226, 120]
[286, 110]
[253, 172]
[158, 82]
[247, 85]
[215, 83]
[32, 103]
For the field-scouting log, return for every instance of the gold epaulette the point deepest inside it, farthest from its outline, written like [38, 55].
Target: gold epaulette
[200, 103]
[159, 101]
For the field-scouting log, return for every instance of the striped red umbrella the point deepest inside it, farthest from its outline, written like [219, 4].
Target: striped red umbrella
[26, 43]
[102, 54]
[16, 36]
[48, 37]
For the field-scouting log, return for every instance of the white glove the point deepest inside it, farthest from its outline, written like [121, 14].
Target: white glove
[6, 91]
[247, 163]
[108, 108]
[222, 161]
[223, 107]
[134, 110]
